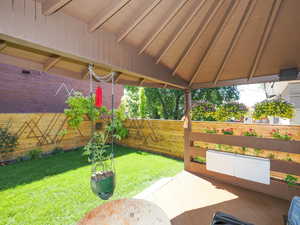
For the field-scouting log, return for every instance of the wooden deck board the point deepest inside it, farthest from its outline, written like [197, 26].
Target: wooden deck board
[189, 199]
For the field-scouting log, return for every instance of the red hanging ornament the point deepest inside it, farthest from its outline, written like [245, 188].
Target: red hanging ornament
[98, 100]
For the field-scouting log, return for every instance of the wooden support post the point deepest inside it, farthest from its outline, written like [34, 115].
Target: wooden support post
[187, 128]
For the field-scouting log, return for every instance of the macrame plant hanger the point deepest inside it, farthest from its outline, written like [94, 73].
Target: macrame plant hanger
[103, 169]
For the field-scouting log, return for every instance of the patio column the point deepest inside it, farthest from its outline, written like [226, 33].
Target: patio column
[187, 128]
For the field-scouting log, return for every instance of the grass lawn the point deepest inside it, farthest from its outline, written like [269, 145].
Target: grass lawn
[56, 189]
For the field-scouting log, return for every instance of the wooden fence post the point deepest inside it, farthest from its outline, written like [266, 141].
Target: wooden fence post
[187, 125]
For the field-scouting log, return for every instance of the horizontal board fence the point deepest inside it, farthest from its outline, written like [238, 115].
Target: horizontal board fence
[45, 131]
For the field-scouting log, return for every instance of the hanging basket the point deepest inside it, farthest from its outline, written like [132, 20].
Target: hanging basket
[103, 184]
[103, 180]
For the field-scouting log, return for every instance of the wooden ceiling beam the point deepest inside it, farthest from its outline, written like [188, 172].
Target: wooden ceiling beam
[248, 11]
[240, 81]
[266, 35]
[206, 21]
[141, 81]
[182, 29]
[99, 20]
[3, 45]
[217, 35]
[51, 6]
[85, 74]
[51, 62]
[117, 77]
[139, 19]
[155, 73]
[163, 26]
[32, 65]
[146, 84]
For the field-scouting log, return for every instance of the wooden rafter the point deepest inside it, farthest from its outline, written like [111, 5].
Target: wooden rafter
[218, 33]
[254, 80]
[51, 6]
[99, 20]
[182, 29]
[208, 18]
[148, 84]
[163, 26]
[236, 37]
[141, 81]
[85, 74]
[3, 45]
[51, 62]
[266, 35]
[117, 77]
[139, 19]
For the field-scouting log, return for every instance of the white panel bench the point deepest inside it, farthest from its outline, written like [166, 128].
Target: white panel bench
[245, 167]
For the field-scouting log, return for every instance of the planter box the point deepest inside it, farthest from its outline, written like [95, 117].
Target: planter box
[245, 167]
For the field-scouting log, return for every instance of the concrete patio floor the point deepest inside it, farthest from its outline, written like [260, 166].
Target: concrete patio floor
[192, 200]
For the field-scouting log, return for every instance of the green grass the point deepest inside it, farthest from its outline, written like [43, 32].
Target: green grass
[56, 189]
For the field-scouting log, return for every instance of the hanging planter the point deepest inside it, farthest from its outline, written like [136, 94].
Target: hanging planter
[103, 172]
[273, 108]
[231, 111]
[203, 111]
[103, 183]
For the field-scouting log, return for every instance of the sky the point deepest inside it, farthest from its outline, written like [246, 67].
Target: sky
[251, 94]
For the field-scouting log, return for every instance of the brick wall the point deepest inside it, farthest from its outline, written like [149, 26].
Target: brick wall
[39, 92]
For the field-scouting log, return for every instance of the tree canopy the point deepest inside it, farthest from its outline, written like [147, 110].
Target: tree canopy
[157, 103]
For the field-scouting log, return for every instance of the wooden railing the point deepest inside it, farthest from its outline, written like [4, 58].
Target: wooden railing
[277, 187]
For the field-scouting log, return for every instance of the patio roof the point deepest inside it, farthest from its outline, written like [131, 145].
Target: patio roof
[175, 44]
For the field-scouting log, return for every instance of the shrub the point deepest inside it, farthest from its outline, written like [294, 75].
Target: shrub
[231, 110]
[277, 107]
[8, 141]
[291, 180]
[34, 154]
[203, 110]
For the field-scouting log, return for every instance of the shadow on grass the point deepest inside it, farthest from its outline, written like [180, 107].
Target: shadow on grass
[28, 171]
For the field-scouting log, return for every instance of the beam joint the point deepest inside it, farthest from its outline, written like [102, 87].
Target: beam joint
[51, 62]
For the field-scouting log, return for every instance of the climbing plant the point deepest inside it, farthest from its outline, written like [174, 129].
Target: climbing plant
[80, 106]
[275, 107]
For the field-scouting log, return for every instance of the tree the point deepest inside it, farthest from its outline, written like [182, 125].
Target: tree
[169, 103]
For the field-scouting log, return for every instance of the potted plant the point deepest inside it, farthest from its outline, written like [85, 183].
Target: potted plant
[227, 131]
[275, 133]
[231, 111]
[273, 108]
[203, 111]
[103, 174]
